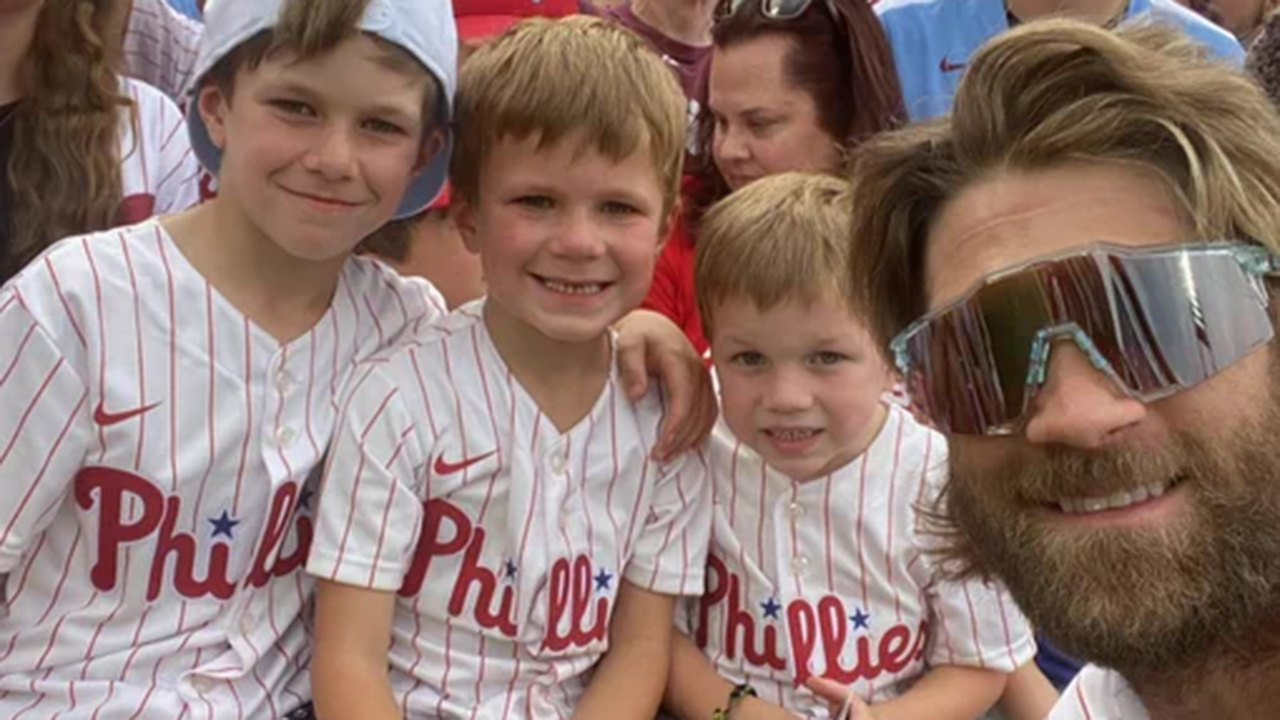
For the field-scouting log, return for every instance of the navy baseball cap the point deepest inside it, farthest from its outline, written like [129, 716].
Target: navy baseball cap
[424, 28]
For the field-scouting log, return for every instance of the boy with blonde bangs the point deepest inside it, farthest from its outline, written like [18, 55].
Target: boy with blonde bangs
[490, 507]
[173, 388]
[821, 582]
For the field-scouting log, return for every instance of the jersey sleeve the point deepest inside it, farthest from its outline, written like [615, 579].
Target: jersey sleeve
[370, 513]
[670, 554]
[44, 427]
[974, 622]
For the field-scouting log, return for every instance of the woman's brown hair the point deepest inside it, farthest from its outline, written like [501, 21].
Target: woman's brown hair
[840, 57]
[64, 174]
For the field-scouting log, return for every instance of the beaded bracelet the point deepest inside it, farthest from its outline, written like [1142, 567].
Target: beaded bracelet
[740, 691]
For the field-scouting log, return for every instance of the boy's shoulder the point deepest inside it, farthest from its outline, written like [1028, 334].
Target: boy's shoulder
[399, 305]
[422, 348]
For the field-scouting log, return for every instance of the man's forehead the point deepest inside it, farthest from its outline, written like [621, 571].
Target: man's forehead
[1010, 218]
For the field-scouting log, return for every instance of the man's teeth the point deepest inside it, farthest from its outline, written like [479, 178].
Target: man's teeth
[1075, 506]
[573, 288]
[793, 433]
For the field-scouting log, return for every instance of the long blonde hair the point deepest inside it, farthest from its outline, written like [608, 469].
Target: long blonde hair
[64, 173]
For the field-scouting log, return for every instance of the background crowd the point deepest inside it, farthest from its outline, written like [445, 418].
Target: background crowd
[101, 129]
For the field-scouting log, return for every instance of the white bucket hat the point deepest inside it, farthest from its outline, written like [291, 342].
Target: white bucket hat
[424, 28]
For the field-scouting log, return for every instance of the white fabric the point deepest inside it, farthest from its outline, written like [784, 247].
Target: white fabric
[154, 447]
[505, 538]
[835, 577]
[160, 47]
[1098, 694]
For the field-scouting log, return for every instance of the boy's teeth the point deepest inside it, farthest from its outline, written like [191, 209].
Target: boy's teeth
[1077, 506]
[796, 434]
[573, 288]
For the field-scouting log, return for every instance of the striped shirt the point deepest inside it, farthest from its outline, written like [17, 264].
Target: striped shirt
[835, 577]
[505, 538]
[154, 451]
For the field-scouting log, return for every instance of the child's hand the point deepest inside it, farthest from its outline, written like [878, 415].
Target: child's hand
[844, 702]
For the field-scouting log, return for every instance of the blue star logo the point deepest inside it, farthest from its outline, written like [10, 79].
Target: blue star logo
[771, 608]
[603, 579]
[304, 498]
[860, 620]
[511, 569]
[224, 525]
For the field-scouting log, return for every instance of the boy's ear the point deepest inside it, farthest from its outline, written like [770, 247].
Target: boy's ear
[464, 217]
[213, 107]
[432, 144]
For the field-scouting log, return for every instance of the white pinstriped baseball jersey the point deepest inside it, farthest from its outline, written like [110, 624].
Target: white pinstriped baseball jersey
[506, 539]
[160, 173]
[160, 47]
[834, 578]
[1098, 694]
[153, 452]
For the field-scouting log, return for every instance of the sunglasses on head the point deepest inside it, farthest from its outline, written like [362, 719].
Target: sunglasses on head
[1156, 320]
[781, 10]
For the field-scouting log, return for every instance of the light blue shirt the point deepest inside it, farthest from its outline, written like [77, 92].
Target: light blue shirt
[932, 41]
[186, 7]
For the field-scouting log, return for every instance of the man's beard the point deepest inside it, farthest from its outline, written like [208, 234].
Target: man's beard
[1142, 599]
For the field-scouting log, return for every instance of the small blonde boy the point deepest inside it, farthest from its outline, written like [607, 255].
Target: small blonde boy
[818, 570]
[490, 509]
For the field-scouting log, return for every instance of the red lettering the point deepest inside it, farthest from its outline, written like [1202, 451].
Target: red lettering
[183, 547]
[802, 626]
[436, 540]
[113, 532]
[717, 590]
[570, 593]
[826, 627]
[431, 544]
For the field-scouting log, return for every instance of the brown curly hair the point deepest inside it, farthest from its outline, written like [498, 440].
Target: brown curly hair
[64, 173]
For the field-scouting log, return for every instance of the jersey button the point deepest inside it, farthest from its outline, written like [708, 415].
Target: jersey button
[201, 684]
[284, 381]
[247, 623]
[285, 437]
[796, 509]
[558, 463]
[799, 564]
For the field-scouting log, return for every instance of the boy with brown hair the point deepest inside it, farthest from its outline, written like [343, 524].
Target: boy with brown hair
[170, 387]
[821, 582]
[490, 506]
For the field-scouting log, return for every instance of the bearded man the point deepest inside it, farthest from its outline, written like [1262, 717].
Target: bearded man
[1075, 276]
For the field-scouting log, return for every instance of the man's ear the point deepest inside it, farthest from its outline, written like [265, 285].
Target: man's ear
[213, 106]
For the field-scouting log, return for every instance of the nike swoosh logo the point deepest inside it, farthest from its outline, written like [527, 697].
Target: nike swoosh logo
[448, 468]
[947, 66]
[106, 419]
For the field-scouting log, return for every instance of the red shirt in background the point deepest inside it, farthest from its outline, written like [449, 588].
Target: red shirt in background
[672, 290]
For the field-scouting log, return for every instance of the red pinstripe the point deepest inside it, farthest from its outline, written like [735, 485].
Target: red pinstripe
[212, 404]
[391, 502]
[889, 552]
[828, 535]
[22, 347]
[62, 297]
[1084, 705]
[26, 414]
[493, 420]
[173, 367]
[142, 365]
[862, 506]
[355, 491]
[973, 619]
[248, 410]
